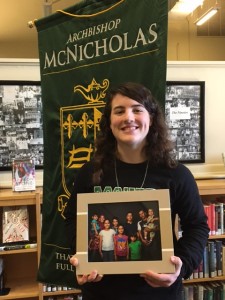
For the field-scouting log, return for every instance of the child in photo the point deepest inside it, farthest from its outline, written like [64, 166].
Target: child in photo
[106, 245]
[151, 225]
[134, 248]
[93, 249]
[95, 228]
[115, 224]
[121, 245]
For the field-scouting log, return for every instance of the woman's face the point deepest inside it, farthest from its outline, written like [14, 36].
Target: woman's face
[129, 122]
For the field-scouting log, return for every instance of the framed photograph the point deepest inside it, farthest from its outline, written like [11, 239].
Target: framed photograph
[124, 232]
[184, 112]
[21, 128]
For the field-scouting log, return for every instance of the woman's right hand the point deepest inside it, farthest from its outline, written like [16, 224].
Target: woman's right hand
[81, 279]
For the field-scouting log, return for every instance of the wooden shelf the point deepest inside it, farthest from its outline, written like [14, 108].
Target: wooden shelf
[208, 279]
[217, 237]
[19, 251]
[211, 186]
[10, 198]
[22, 289]
[73, 291]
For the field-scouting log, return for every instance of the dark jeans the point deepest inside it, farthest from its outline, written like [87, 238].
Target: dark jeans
[108, 255]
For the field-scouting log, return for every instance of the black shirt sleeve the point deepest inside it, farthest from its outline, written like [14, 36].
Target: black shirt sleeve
[195, 230]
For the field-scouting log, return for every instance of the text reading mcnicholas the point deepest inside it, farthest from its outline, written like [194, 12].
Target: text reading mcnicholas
[76, 50]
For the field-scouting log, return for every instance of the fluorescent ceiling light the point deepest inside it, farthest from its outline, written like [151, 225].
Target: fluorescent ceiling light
[207, 16]
[186, 6]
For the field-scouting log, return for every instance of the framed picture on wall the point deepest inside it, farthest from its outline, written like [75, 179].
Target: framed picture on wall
[103, 246]
[21, 127]
[184, 112]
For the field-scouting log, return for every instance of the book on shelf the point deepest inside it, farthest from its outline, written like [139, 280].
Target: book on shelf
[23, 175]
[215, 212]
[205, 291]
[219, 244]
[219, 218]
[206, 262]
[209, 293]
[195, 273]
[212, 259]
[15, 224]
[212, 207]
[223, 260]
[200, 270]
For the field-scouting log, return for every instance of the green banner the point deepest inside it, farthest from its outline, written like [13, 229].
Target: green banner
[84, 50]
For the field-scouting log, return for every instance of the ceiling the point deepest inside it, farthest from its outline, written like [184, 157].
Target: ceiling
[15, 15]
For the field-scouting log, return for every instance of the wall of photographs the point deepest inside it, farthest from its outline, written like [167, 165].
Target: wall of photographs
[21, 125]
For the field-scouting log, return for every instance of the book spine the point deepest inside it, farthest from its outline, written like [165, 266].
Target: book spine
[208, 214]
[206, 262]
[200, 292]
[200, 270]
[195, 273]
[217, 221]
[223, 260]
[218, 244]
[212, 259]
[213, 218]
[221, 218]
[222, 208]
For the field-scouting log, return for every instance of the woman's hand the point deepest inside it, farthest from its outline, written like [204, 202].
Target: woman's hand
[81, 279]
[163, 280]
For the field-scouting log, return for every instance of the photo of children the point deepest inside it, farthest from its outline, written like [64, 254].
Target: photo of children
[131, 231]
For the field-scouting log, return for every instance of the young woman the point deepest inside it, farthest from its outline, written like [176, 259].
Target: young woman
[133, 149]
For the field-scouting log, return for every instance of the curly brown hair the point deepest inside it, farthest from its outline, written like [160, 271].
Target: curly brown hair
[158, 148]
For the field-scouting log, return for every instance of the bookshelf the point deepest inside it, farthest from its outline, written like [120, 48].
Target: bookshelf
[22, 280]
[209, 190]
[21, 265]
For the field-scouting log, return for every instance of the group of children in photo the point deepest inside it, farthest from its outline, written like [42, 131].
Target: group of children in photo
[110, 240]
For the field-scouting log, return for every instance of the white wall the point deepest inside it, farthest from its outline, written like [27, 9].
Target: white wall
[213, 73]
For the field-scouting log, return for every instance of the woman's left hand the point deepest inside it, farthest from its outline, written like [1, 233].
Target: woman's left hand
[163, 280]
[82, 279]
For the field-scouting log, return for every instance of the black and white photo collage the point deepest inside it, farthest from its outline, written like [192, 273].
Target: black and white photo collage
[183, 117]
[21, 126]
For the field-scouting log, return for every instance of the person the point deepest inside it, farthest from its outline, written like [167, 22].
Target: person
[121, 247]
[130, 227]
[115, 224]
[134, 247]
[101, 220]
[106, 242]
[93, 248]
[133, 150]
[95, 228]
[149, 250]
[151, 226]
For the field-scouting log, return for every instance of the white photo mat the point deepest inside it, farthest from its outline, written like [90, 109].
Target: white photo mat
[125, 267]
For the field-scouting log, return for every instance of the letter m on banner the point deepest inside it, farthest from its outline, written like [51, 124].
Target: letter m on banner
[83, 51]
